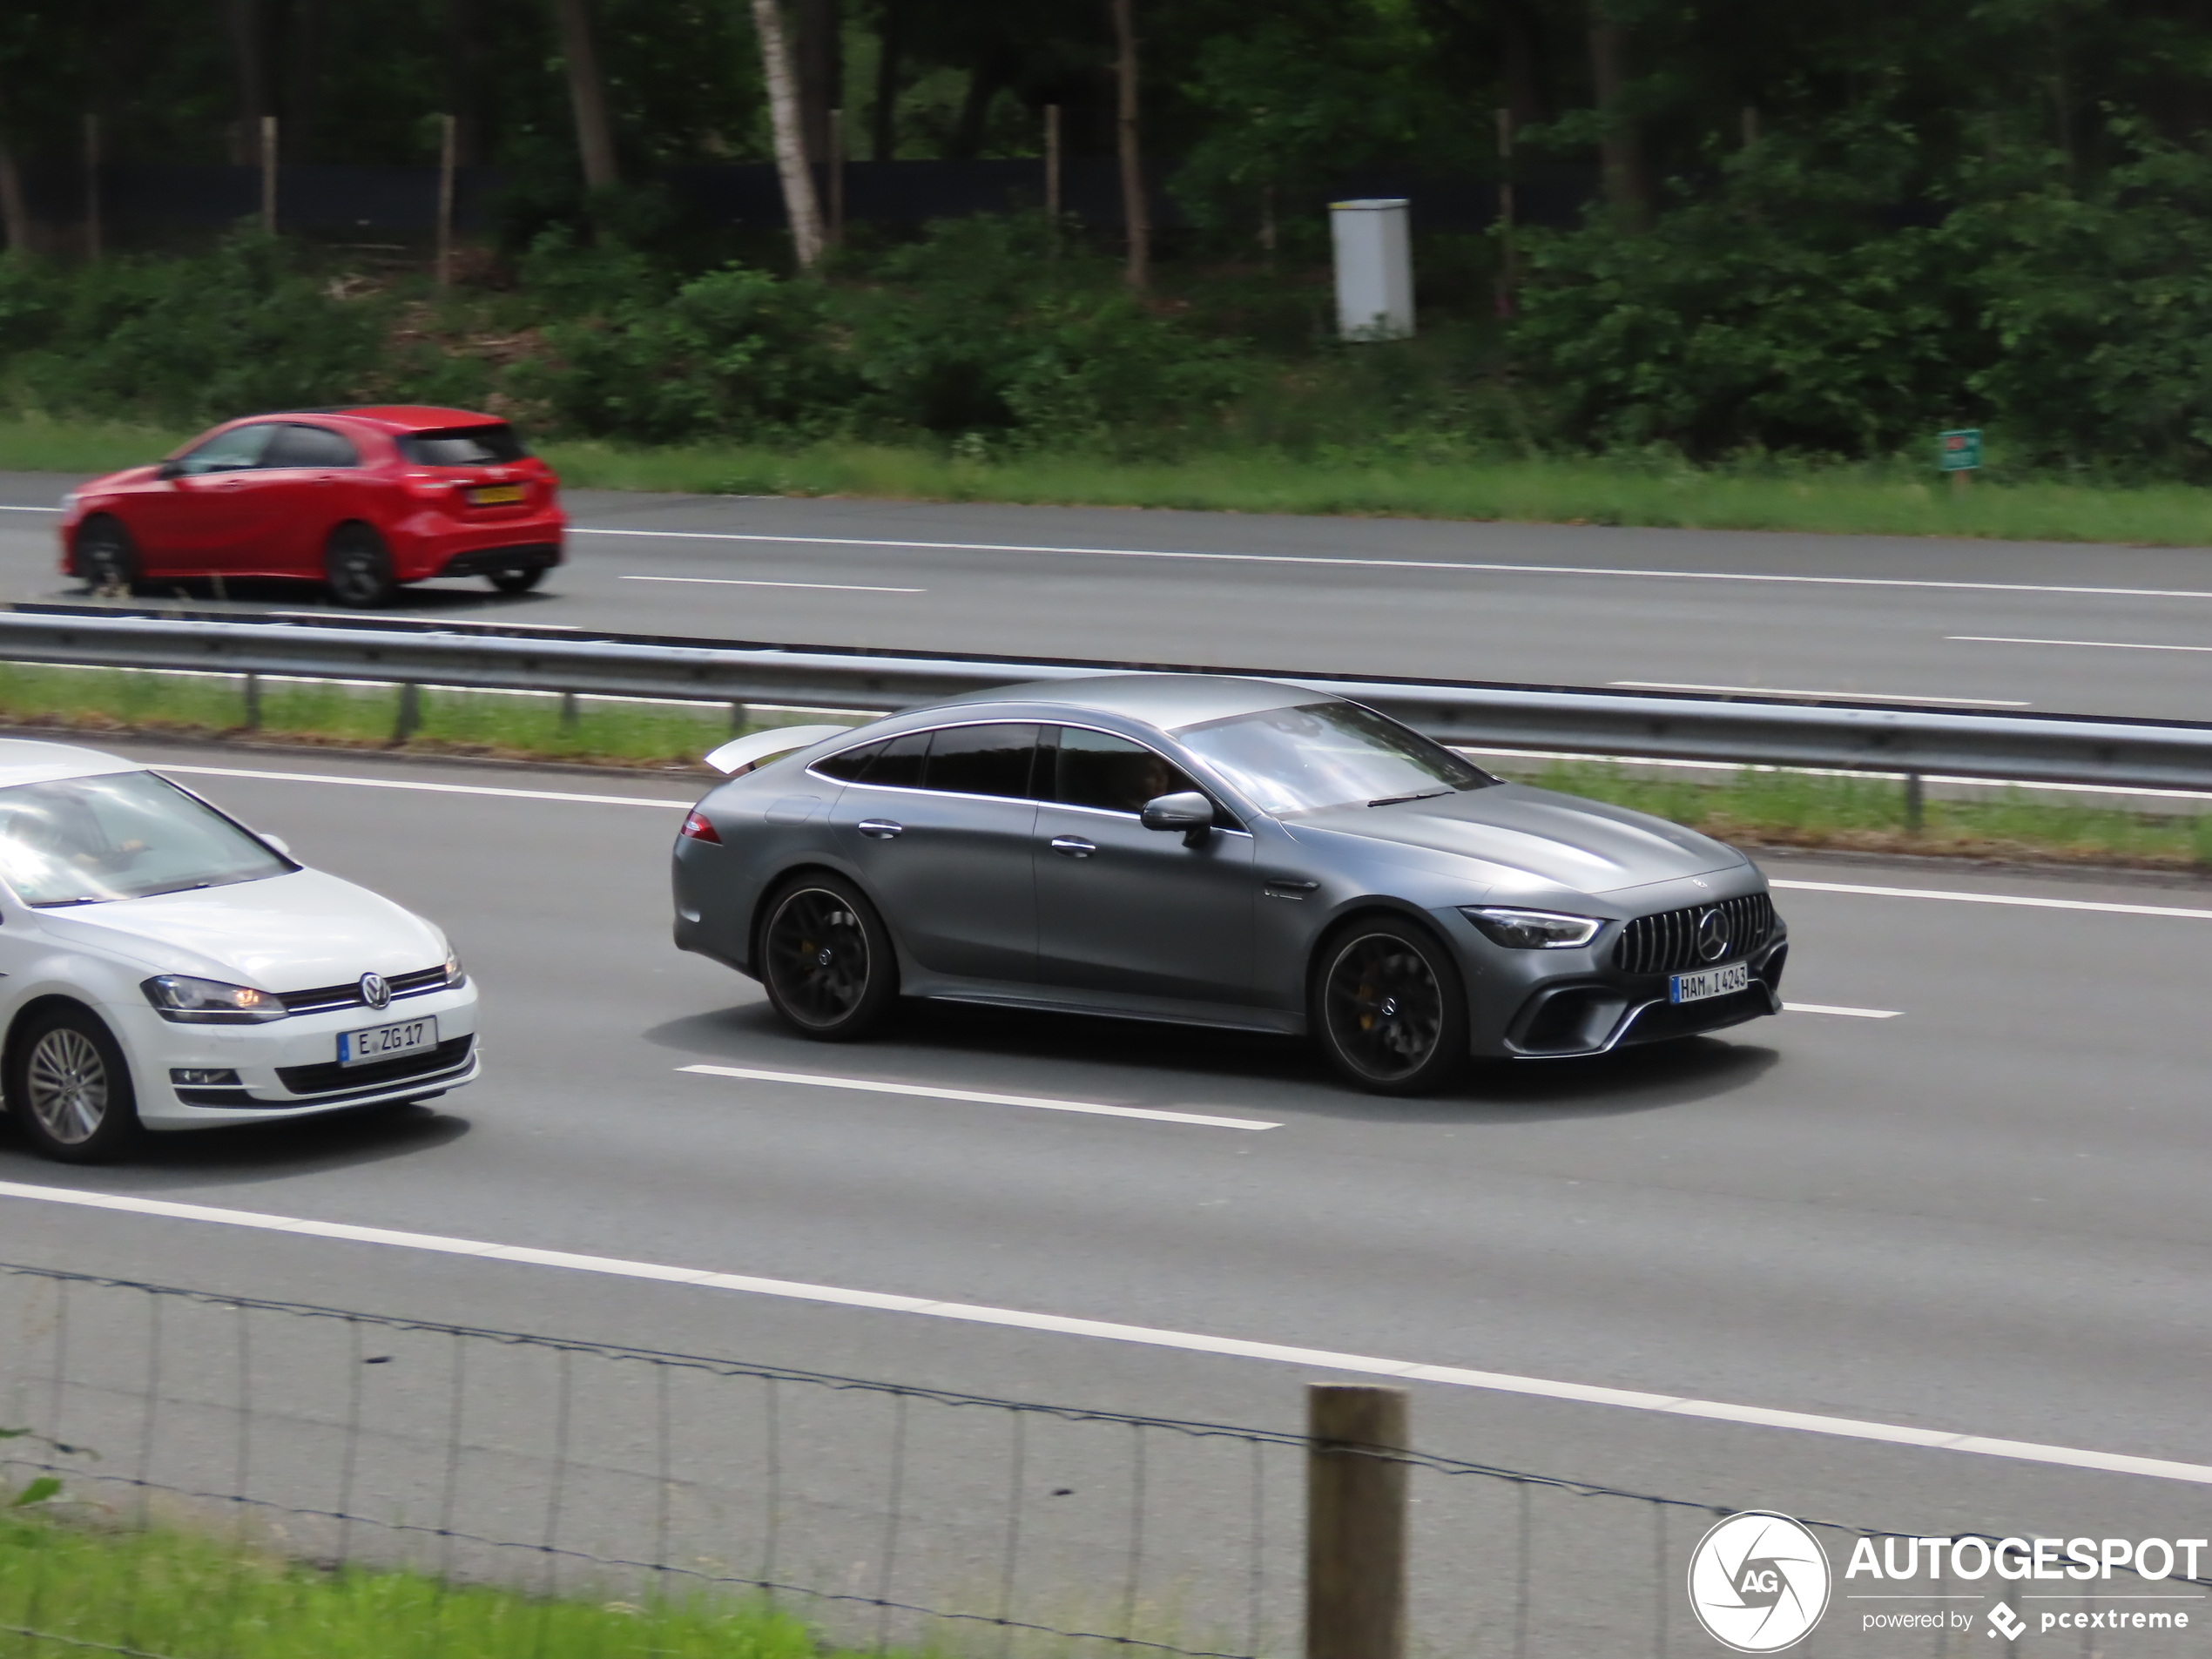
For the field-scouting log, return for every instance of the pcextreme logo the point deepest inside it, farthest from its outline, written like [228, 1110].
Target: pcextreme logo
[1758, 1583]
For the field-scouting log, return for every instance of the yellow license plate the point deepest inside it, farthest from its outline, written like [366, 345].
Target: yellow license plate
[494, 495]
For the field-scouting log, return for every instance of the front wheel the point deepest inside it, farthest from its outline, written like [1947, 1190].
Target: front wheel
[1389, 1007]
[826, 960]
[357, 569]
[68, 1087]
[518, 580]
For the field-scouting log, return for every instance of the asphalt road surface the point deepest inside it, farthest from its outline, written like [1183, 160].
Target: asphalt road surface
[1966, 1198]
[2072, 629]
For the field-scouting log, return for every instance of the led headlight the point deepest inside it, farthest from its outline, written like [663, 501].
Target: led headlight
[210, 1002]
[1532, 929]
[457, 975]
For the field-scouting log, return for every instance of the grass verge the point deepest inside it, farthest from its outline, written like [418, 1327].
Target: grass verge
[1751, 808]
[183, 1597]
[1871, 499]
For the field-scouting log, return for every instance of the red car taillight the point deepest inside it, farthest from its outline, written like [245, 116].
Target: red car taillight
[697, 827]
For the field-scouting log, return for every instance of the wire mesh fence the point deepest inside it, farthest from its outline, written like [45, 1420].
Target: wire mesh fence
[343, 1445]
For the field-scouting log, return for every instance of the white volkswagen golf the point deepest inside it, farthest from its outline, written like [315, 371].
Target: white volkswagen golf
[163, 967]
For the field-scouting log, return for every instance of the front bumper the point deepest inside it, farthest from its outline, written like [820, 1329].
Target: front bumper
[288, 1068]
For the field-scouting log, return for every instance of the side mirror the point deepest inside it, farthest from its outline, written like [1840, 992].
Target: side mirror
[1188, 811]
[169, 468]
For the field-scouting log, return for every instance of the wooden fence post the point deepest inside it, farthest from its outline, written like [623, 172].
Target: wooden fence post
[1355, 1522]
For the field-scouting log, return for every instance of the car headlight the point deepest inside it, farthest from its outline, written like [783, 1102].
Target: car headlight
[70, 501]
[1532, 929]
[457, 975]
[210, 1002]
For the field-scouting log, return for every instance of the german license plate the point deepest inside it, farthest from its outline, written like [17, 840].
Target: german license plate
[494, 495]
[1710, 981]
[376, 1043]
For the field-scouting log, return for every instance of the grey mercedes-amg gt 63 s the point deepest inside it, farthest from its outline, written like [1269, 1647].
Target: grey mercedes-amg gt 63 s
[1220, 851]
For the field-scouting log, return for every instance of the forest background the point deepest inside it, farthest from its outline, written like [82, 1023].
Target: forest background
[1814, 237]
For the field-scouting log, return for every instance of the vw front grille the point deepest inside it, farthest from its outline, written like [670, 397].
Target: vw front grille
[1667, 943]
[323, 1001]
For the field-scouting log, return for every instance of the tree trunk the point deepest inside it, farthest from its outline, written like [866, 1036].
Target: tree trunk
[819, 56]
[1136, 212]
[461, 73]
[890, 45]
[1524, 82]
[310, 21]
[983, 83]
[801, 206]
[15, 215]
[247, 27]
[1620, 146]
[595, 135]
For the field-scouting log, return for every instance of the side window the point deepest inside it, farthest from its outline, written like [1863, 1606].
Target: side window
[983, 761]
[237, 450]
[309, 446]
[897, 764]
[1099, 770]
[847, 765]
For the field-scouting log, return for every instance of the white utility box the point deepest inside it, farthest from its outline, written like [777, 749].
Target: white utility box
[1374, 269]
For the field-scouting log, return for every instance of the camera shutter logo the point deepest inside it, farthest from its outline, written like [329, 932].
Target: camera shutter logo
[1758, 1583]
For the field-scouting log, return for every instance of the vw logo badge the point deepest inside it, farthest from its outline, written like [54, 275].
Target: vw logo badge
[375, 992]
[1712, 936]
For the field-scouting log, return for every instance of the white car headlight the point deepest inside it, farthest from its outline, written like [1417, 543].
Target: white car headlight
[1532, 929]
[210, 1002]
[457, 975]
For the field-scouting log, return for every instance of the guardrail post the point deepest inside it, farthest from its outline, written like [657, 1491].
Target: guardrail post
[1915, 804]
[568, 708]
[253, 702]
[736, 719]
[1355, 1522]
[408, 721]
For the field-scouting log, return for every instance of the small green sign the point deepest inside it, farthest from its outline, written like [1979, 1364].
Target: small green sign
[1959, 451]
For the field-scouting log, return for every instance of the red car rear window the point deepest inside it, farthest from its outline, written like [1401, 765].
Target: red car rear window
[462, 446]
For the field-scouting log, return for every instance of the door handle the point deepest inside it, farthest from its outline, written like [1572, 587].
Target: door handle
[880, 829]
[1074, 846]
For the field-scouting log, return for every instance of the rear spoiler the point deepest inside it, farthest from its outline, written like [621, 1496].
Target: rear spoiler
[741, 755]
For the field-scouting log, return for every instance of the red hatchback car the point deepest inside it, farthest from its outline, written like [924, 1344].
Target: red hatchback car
[359, 500]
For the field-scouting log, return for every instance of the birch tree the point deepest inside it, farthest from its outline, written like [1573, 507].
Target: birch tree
[801, 206]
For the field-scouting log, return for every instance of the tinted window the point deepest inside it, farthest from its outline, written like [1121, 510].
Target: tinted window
[1096, 770]
[129, 835]
[847, 765]
[1329, 754]
[463, 446]
[309, 446]
[897, 764]
[233, 451]
[983, 759]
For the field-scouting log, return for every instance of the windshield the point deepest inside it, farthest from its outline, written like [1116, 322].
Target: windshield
[1328, 754]
[127, 835]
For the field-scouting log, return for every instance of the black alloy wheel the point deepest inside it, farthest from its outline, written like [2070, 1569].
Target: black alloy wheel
[106, 562]
[826, 960]
[357, 569]
[1390, 1008]
[518, 580]
[68, 1087]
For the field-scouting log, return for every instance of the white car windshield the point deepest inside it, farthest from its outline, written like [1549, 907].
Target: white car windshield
[1328, 754]
[126, 835]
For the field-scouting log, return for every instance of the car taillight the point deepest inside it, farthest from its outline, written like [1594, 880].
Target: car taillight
[698, 829]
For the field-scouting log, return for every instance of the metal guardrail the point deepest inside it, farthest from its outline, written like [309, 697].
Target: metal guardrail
[2038, 748]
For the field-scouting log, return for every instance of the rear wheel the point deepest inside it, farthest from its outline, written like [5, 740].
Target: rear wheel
[68, 1087]
[518, 580]
[1389, 1007]
[106, 562]
[356, 568]
[826, 960]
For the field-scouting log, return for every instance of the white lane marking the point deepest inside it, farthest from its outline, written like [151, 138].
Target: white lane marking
[741, 581]
[1832, 697]
[1190, 1342]
[1996, 897]
[869, 1086]
[33, 509]
[2100, 645]
[1849, 1013]
[1405, 565]
[435, 789]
